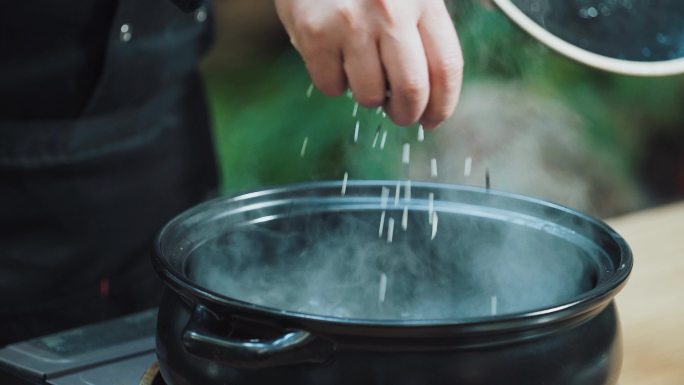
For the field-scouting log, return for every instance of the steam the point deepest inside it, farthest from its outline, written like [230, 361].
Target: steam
[532, 144]
[334, 264]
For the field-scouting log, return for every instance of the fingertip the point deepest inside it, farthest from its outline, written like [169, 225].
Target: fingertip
[327, 75]
[401, 116]
[408, 101]
[435, 116]
[369, 101]
[429, 125]
[400, 121]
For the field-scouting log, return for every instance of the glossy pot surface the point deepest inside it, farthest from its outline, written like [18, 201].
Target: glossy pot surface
[303, 285]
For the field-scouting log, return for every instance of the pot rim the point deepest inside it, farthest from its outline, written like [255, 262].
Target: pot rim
[576, 309]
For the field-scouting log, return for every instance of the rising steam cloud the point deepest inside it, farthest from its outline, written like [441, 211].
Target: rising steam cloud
[333, 263]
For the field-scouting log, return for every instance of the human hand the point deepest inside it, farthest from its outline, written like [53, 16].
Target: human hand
[406, 47]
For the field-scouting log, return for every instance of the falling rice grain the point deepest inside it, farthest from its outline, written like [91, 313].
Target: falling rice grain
[309, 90]
[302, 152]
[468, 166]
[382, 290]
[382, 224]
[383, 140]
[344, 183]
[421, 133]
[431, 206]
[355, 111]
[494, 304]
[384, 196]
[404, 219]
[356, 131]
[397, 193]
[375, 139]
[406, 154]
[433, 168]
[407, 190]
[390, 230]
[435, 219]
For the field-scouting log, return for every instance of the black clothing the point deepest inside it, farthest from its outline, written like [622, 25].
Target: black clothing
[86, 182]
[188, 5]
[52, 55]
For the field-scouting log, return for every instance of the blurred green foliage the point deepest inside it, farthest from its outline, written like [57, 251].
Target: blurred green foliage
[262, 114]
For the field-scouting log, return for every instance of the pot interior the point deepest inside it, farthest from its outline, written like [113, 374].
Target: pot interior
[327, 257]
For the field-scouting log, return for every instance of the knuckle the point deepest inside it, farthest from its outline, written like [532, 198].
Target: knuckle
[348, 16]
[310, 29]
[382, 3]
[448, 70]
[384, 7]
[453, 65]
[443, 74]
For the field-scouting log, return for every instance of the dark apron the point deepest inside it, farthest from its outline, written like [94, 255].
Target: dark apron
[81, 199]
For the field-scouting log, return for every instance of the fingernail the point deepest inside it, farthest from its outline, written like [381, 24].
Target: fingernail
[430, 125]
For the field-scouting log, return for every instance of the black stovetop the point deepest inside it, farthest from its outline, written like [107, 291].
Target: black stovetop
[116, 352]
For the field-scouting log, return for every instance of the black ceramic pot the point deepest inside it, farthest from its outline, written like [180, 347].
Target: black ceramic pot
[520, 290]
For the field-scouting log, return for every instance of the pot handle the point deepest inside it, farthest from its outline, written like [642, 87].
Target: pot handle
[293, 347]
